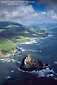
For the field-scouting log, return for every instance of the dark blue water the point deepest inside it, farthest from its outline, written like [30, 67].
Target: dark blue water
[45, 49]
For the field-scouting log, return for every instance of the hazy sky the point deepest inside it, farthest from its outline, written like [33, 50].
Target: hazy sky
[29, 11]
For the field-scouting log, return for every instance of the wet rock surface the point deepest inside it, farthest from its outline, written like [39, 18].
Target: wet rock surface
[30, 63]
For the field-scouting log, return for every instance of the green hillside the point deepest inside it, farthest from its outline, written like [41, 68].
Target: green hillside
[6, 46]
[11, 33]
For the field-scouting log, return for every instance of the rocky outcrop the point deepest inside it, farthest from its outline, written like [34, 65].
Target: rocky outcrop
[30, 63]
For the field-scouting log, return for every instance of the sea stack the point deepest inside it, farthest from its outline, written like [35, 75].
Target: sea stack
[30, 63]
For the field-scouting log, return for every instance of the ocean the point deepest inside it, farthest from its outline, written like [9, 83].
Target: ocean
[44, 49]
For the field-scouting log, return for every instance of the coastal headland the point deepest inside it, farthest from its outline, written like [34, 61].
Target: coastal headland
[11, 33]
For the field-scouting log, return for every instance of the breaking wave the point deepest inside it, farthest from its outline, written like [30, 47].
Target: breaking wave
[47, 72]
[33, 50]
[50, 35]
[55, 62]
[8, 60]
[31, 41]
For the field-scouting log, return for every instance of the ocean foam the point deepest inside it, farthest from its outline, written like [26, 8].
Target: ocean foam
[7, 77]
[2, 59]
[50, 35]
[33, 50]
[32, 41]
[41, 38]
[13, 60]
[40, 51]
[55, 62]
[22, 49]
[12, 71]
[8, 60]
[55, 78]
[19, 62]
[42, 73]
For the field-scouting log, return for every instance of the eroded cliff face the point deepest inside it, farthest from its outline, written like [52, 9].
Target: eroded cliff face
[30, 63]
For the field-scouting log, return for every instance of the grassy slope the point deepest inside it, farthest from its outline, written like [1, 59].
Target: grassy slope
[6, 46]
[11, 33]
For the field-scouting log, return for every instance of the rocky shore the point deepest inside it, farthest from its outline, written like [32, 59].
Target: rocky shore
[8, 54]
[13, 51]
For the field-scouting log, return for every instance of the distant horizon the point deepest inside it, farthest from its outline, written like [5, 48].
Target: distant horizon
[30, 24]
[29, 12]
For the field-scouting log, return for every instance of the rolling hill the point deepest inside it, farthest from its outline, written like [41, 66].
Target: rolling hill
[11, 33]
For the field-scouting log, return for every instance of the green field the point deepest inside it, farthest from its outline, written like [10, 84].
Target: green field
[11, 26]
[1, 30]
[6, 46]
[22, 38]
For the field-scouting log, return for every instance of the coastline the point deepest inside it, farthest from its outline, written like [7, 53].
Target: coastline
[33, 38]
[28, 40]
[7, 55]
[15, 50]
